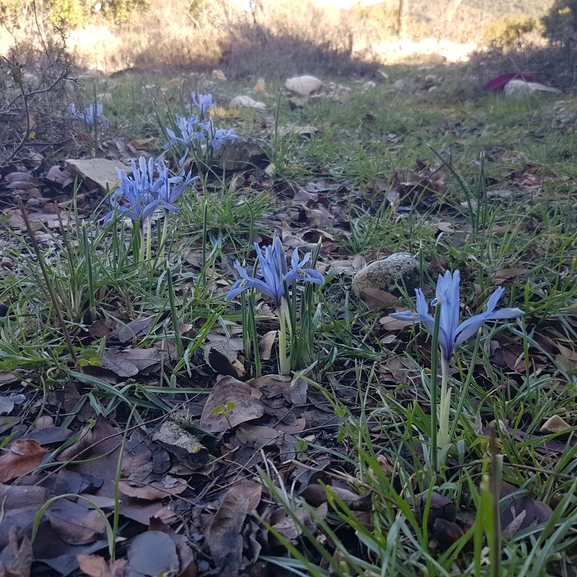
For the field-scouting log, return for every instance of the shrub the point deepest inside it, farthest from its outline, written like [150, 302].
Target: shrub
[509, 30]
[561, 21]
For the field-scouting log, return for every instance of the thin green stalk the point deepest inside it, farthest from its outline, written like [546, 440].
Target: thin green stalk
[253, 332]
[495, 491]
[89, 273]
[433, 386]
[163, 237]
[204, 229]
[465, 388]
[140, 240]
[174, 314]
[443, 438]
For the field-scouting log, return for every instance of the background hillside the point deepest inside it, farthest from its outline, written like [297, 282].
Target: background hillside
[265, 38]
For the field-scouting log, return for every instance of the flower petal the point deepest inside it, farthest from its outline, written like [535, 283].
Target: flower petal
[494, 299]
[305, 274]
[468, 328]
[246, 282]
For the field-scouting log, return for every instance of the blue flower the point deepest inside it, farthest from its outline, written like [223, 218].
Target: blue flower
[202, 102]
[89, 115]
[189, 132]
[273, 268]
[216, 138]
[171, 189]
[451, 333]
[143, 193]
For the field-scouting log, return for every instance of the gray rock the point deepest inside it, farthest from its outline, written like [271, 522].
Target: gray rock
[399, 269]
[241, 154]
[98, 172]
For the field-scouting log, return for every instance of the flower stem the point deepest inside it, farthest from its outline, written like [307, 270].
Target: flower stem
[164, 235]
[284, 362]
[148, 239]
[443, 438]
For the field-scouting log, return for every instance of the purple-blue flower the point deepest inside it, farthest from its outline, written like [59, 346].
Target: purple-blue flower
[216, 138]
[202, 102]
[171, 189]
[139, 195]
[273, 269]
[451, 333]
[89, 115]
[189, 132]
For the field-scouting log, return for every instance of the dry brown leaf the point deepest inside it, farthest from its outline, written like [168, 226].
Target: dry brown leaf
[97, 566]
[224, 537]
[23, 456]
[507, 274]
[567, 352]
[230, 391]
[74, 522]
[15, 561]
[376, 298]
[535, 511]
[135, 328]
[265, 345]
[153, 490]
[391, 324]
[554, 424]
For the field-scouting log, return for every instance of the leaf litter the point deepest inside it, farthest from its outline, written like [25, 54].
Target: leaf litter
[197, 469]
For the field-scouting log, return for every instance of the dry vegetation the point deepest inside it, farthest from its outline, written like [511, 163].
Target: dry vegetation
[273, 39]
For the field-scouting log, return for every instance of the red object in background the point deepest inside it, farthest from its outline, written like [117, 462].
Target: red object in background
[499, 83]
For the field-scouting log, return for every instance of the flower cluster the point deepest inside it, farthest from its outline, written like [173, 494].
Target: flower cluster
[451, 332]
[140, 195]
[273, 267]
[89, 115]
[275, 279]
[198, 130]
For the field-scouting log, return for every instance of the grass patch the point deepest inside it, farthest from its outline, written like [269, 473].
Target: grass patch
[478, 183]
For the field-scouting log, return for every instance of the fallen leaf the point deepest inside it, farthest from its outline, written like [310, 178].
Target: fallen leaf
[229, 390]
[15, 561]
[221, 364]
[265, 345]
[135, 328]
[75, 522]
[376, 298]
[153, 553]
[130, 362]
[554, 424]
[153, 490]
[506, 274]
[511, 507]
[97, 566]
[304, 85]
[60, 176]
[23, 456]
[391, 324]
[224, 537]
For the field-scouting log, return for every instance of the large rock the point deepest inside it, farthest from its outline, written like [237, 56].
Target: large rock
[304, 85]
[244, 101]
[240, 154]
[98, 172]
[401, 269]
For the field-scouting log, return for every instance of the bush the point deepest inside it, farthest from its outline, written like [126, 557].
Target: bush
[561, 21]
[65, 15]
[509, 30]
